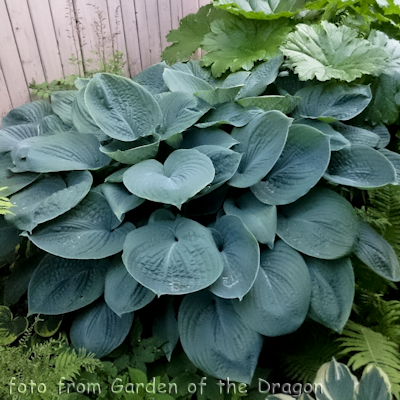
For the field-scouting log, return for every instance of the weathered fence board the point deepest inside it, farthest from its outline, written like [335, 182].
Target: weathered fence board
[38, 38]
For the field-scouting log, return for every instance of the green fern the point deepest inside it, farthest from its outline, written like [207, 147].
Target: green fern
[5, 204]
[366, 346]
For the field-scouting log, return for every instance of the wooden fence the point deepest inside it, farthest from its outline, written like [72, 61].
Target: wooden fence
[38, 37]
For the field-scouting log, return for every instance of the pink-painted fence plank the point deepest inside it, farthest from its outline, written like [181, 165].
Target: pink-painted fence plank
[176, 13]
[154, 31]
[143, 33]
[5, 101]
[164, 21]
[46, 38]
[26, 40]
[189, 7]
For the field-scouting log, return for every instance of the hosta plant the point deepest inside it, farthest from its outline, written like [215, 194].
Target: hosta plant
[219, 195]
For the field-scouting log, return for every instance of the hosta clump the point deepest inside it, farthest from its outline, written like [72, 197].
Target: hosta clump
[214, 193]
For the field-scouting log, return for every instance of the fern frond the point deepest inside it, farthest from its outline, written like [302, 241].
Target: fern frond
[366, 346]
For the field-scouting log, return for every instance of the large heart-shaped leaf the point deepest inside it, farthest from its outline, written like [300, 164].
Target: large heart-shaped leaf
[11, 136]
[61, 102]
[394, 158]
[152, 78]
[173, 257]
[10, 181]
[299, 168]
[321, 224]
[360, 166]
[10, 328]
[134, 112]
[285, 104]
[278, 302]
[356, 135]
[260, 219]
[59, 286]
[215, 339]
[88, 231]
[375, 252]
[178, 81]
[219, 95]
[241, 256]
[122, 292]
[28, 113]
[65, 151]
[184, 173]
[332, 291]
[180, 112]
[262, 142]
[51, 124]
[99, 330]
[132, 152]
[47, 199]
[333, 101]
[374, 384]
[120, 200]
[207, 136]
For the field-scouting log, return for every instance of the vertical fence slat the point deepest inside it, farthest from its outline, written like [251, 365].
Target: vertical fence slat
[204, 2]
[154, 30]
[11, 62]
[117, 29]
[26, 40]
[46, 39]
[143, 33]
[62, 12]
[165, 21]
[176, 13]
[189, 7]
[5, 101]
[131, 35]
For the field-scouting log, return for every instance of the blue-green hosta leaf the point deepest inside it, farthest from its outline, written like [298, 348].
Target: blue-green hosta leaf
[59, 286]
[88, 231]
[52, 124]
[81, 82]
[120, 200]
[9, 237]
[215, 339]
[219, 95]
[375, 252]
[152, 78]
[132, 152]
[253, 41]
[374, 384]
[61, 103]
[184, 174]
[122, 293]
[262, 142]
[394, 158]
[207, 136]
[321, 224]
[325, 51]
[299, 168]
[165, 327]
[117, 177]
[134, 112]
[10, 181]
[356, 135]
[229, 113]
[333, 101]
[278, 302]
[285, 104]
[180, 112]
[162, 214]
[11, 136]
[172, 257]
[335, 381]
[26, 114]
[178, 81]
[99, 330]
[360, 166]
[332, 291]
[260, 219]
[260, 77]
[241, 255]
[83, 121]
[49, 198]
[235, 79]
[225, 162]
[336, 139]
[193, 67]
[64, 151]
[382, 131]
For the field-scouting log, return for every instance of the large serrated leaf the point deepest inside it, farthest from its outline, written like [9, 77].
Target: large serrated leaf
[241, 256]
[278, 302]
[99, 330]
[88, 231]
[49, 198]
[59, 286]
[215, 339]
[134, 112]
[262, 142]
[184, 174]
[299, 168]
[321, 224]
[172, 257]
